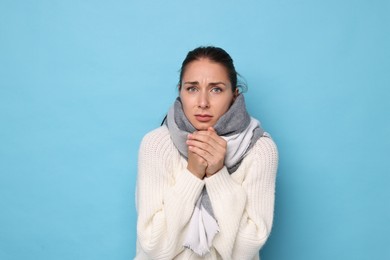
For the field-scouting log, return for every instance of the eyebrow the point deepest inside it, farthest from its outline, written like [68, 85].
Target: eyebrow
[212, 83]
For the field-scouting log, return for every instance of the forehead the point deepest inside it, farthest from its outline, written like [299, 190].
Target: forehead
[205, 68]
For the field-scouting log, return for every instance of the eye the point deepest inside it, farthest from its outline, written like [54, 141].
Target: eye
[216, 90]
[191, 89]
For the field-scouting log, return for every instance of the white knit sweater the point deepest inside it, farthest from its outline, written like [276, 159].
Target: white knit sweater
[243, 202]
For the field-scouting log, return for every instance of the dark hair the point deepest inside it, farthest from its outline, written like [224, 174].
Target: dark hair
[217, 55]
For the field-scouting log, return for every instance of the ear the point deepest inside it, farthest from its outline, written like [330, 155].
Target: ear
[235, 94]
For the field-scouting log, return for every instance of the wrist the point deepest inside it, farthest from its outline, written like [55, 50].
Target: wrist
[212, 172]
[198, 174]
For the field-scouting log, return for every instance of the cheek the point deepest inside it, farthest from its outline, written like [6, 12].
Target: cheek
[187, 107]
[187, 101]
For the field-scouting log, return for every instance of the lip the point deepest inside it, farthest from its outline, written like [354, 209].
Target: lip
[203, 118]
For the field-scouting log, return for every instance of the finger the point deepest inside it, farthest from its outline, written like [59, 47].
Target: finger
[197, 157]
[200, 152]
[210, 148]
[211, 129]
[212, 134]
[216, 137]
[208, 137]
[208, 144]
[211, 155]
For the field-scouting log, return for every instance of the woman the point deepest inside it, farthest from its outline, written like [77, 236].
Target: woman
[206, 177]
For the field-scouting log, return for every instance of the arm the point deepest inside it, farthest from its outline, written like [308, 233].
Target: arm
[164, 204]
[244, 208]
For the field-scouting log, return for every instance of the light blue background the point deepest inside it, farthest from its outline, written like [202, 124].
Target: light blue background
[82, 81]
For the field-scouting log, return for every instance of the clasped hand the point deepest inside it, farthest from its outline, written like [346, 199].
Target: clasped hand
[206, 152]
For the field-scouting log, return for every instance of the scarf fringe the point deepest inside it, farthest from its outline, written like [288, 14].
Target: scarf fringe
[202, 230]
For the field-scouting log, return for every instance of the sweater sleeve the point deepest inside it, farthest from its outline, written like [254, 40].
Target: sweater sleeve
[164, 203]
[244, 208]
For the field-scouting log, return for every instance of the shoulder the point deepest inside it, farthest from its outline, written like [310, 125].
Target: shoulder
[157, 151]
[156, 141]
[265, 150]
[260, 163]
[266, 144]
[156, 134]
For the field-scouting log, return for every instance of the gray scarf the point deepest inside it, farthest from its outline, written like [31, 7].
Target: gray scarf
[240, 131]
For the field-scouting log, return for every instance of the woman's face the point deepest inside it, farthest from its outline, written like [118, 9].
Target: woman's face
[206, 93]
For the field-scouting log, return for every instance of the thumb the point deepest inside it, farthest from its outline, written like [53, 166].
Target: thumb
[211, 129]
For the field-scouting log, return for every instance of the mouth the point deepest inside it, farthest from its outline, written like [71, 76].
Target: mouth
[203, 117]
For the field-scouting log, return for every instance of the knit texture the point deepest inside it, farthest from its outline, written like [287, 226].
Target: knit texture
[167, 192]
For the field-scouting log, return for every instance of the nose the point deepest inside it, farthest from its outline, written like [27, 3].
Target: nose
[203, 101]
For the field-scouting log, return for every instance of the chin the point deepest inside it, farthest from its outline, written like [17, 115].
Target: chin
[202, 126]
